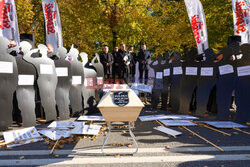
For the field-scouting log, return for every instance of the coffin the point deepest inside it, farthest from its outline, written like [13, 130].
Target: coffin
[112, 112]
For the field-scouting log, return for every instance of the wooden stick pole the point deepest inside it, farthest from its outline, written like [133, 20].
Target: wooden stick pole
[52, 150]
[248, 133]
[202, 138]
[216, 130]
[164, 126]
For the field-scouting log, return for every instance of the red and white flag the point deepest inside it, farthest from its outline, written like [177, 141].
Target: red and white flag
[241, 19]
[198, 23]
[8, 20]
[52, 24]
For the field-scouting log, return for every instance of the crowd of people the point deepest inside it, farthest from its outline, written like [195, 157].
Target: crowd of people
[122, 64]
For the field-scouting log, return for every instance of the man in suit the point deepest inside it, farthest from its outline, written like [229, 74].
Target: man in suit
[143, 57]
[133, 60]
[118, 60]
[107, 60]
[125, 60]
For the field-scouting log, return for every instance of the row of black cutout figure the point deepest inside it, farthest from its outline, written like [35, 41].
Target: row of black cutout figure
[59, 83]
[60, 80]
[229, 71]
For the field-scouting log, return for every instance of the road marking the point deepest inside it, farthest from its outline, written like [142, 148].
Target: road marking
[124, 160]
[120, 150]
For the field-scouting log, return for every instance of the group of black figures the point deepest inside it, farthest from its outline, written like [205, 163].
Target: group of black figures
[32, 77]
[207, 80]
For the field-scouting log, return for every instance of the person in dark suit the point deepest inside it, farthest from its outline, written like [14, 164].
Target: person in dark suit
[143, 57]
[133, 60]
[107, 60]
[118, 60]
[125, 60]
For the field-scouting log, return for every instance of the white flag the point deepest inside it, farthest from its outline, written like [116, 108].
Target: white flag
[241, 19]
[52, 24]
[8, 20]
[198, 23]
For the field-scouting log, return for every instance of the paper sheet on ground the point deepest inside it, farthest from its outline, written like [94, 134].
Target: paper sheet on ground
[178, 123]
[152, 117]
[63, 124]
[24, 142]
[159, 117]
[22, 136]
[91, 118]
[86, 130]
[224, 124]
[167, 131]
[55, 134]
[142, 87]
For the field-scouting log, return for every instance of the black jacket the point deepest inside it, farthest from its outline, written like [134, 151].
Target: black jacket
[107, 58]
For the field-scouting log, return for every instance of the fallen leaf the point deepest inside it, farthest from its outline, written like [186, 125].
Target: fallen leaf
[61, 146]
[167, 147]
[117, 156]
[130, 146]
[51, 144]
[22, 157]
[56, 156]
[124, 131]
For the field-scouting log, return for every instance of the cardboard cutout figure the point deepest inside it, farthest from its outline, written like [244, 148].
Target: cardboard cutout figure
[207, 80]
[25, 92]
[151, 73]
[226, 83]
[98, 65]
[166, 81]
[100, 75]
[64, 76]
[158, 81]
[242, 91]
[188, 80]
[75, 93]
[176, 74]
[8, 83]
[47, 80]
[88, 89]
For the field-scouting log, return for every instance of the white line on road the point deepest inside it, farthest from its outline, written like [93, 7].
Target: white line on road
[124, 160]
[121, 150]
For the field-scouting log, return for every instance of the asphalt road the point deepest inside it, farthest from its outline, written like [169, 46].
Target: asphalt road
[185, 150]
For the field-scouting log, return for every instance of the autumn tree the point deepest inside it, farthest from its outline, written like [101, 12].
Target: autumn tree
[163, 24]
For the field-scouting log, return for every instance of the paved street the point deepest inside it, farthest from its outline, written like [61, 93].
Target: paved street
[185, 150]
